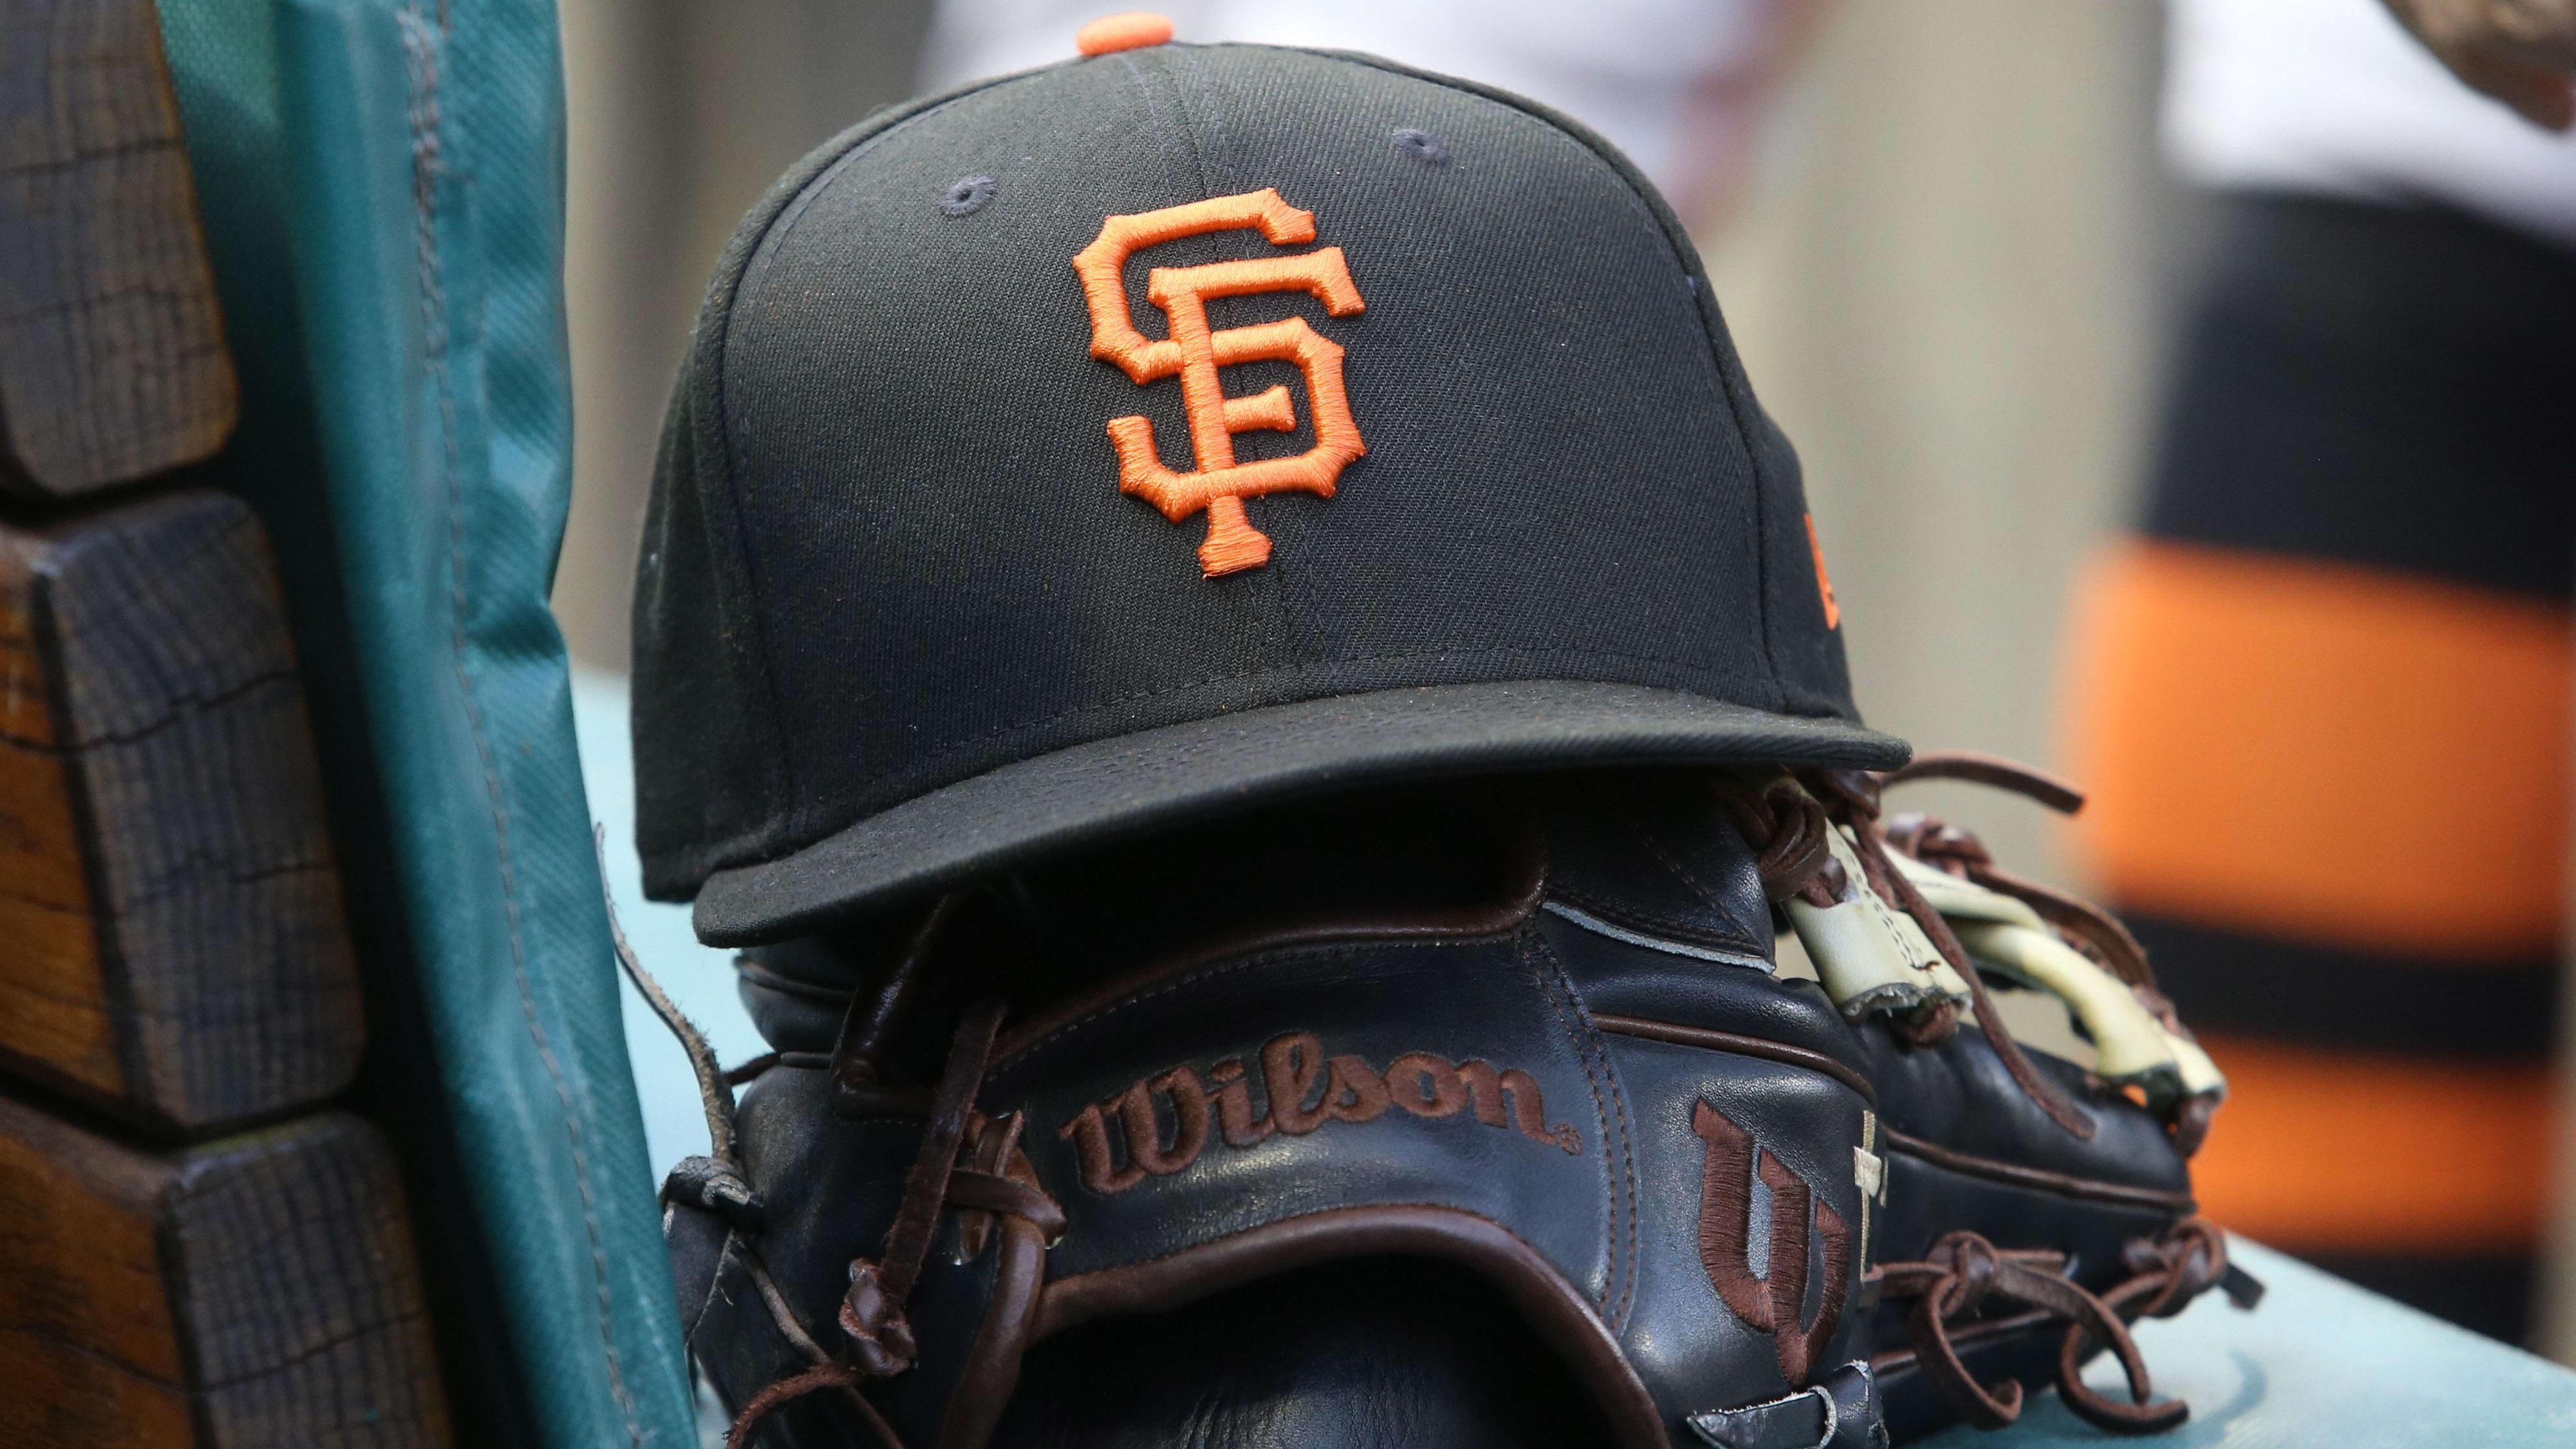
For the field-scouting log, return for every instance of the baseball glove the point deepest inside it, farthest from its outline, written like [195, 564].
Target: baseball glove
[2031, 1208]
[1436, 1117]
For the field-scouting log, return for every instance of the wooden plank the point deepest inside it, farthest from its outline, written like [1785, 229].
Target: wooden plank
[172, 942]
[256, 1291]
[112, 360]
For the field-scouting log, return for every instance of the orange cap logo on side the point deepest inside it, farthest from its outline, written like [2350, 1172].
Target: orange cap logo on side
[1195, 351]
[1824, 581]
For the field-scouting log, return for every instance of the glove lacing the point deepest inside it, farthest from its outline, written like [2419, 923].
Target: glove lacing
[878, 1338]
[1787, 826]
[2088, 928]
[1963, 1270]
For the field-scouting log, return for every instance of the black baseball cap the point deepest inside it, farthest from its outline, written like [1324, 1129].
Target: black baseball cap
[1181, 428]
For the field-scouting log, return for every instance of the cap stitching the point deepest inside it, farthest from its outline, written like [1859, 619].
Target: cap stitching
[1272, 606]
[1448, 652]
[1685, 255]
[785, 205]
[759, 846]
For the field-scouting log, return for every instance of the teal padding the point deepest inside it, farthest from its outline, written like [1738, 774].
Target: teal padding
[383, 189]
[2321, 1365]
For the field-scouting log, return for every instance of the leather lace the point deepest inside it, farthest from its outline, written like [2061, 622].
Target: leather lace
[1787, 825]
[1787, 828]
[1957, 851]
[877, 1336]
[2087, 927]
[1964, 1271]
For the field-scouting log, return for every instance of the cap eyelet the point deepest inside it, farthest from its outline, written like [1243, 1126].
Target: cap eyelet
[968, 196]
[1422, 146]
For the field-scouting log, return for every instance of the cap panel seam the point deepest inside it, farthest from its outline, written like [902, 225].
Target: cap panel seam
[1686, 256]
[1271, 611]
[747, 256]
[1173, 64]
[708, 382]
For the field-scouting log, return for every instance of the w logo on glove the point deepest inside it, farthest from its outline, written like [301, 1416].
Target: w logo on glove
[1774, 1302]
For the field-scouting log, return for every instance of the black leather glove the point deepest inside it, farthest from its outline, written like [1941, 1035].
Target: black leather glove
[1434, 1117]
[1394, 1140]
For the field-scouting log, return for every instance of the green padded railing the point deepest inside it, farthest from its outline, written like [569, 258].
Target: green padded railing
[382, 185]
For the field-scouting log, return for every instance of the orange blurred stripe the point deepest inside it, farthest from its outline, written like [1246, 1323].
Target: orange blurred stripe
[2329, 1152]
[2322, 752]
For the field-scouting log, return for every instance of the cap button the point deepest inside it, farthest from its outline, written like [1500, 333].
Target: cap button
[1133, 30]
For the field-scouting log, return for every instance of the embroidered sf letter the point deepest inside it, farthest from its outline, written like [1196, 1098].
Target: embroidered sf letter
[1195, 352]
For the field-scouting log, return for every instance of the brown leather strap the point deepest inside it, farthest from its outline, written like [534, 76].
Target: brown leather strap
[873, 1015]
[1992, 770]
[991, 1142]
[1961, 853]
[1788, 827]
[831, 1375]
[2089, 923]
[879, 1341]
[1963, 1270]
[1891, 883]
[826, 1372]
[992, 1366]
[2172, 1269]
[907, 1241]
[994, 1193]
[1788, 830]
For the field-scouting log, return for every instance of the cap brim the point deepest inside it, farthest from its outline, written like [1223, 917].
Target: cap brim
[1115, 788]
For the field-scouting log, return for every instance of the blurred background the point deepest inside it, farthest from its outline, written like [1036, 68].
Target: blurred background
[2184, 400]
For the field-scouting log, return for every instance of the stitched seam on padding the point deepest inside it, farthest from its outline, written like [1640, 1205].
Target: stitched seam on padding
[1206, 973]
[423, 41]
[1624, 1268]
[2003, 1174]
[1495, 1223]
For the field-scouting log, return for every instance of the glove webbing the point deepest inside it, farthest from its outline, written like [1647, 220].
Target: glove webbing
[2094, 931]
[1786, 825]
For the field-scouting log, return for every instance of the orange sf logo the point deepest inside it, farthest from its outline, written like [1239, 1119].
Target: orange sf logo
[1195, 351]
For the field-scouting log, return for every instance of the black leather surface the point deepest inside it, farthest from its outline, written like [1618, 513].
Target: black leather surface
[1839, 1411]
[1378, 1353]
[1621, 979]
[1651, 854]
[1958, 1096]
